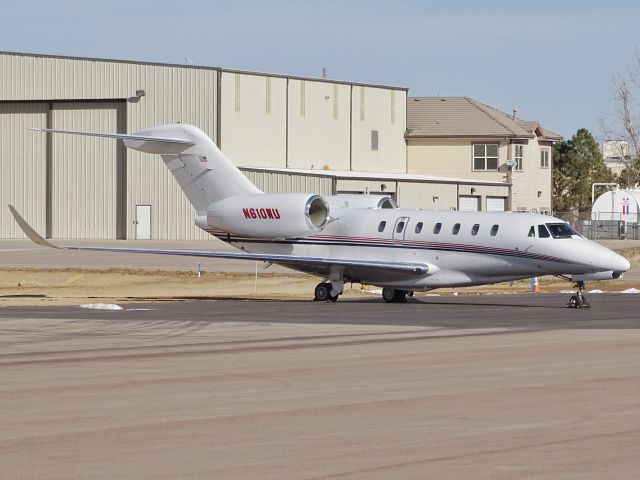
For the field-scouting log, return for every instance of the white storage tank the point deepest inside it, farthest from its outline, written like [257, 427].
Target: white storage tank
[618, 204]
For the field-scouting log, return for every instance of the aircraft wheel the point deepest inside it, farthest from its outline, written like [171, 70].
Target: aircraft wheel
[322, 293]
[575, 302]
[392, 295]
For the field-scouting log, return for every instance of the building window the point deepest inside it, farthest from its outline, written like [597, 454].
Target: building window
[436, 228]
[544, 158]
[474, 229]
[519, 154]
[455, 229]
[381, 226]
[374, 140]
[485, 156]
[494, 230]
[418, 227]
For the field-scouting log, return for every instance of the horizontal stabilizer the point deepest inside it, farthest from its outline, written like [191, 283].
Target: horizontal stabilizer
[121, 136]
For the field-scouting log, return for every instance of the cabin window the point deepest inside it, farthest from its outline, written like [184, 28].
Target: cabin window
[436, 228]
[381, 226]
[418, 227]
[475, 228]
[400, 227]
[561, 230]
[494, 230]
[543, 232]
[455, 229]
[532, 231]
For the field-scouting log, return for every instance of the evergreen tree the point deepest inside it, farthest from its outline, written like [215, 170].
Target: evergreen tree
[577, 164]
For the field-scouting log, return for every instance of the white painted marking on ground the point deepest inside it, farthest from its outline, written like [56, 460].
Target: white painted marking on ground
[101, 306]
[630, 290]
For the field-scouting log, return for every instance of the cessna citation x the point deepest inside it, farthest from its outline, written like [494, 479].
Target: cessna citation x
[360, 238]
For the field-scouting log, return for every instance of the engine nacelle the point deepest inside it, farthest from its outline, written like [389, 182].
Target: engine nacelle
[269, 215]
[361, 201]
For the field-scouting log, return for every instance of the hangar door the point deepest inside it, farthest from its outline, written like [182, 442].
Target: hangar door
[86, 183]
[22, 166]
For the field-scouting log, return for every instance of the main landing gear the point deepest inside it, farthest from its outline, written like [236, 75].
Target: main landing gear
[392, 295]
[579, 300]
[326, 291]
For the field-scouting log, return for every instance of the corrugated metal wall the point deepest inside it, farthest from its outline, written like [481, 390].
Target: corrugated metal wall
[22, 166]
[381, 110]
[84, 181]
[172, 94]
[271, 182]
[428, 196]
[319, 127]
[366, 186]
[254, 110]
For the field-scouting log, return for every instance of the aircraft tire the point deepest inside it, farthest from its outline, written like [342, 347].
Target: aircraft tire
[322, 293]
[391, 295]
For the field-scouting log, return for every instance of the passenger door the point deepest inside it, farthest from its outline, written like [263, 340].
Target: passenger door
[400, 229]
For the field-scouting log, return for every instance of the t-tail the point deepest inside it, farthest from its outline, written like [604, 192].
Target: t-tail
[203, 172]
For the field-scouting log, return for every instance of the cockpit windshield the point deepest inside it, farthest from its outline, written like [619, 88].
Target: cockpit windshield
[561, 230]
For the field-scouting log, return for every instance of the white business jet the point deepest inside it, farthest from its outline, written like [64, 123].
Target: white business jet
[360, 238]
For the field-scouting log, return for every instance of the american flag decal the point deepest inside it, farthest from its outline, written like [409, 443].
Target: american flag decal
[203, 159]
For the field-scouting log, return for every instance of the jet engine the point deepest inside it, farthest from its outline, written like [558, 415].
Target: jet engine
[275, 215]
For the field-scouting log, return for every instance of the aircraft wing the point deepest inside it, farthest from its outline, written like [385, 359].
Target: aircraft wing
[351, 268]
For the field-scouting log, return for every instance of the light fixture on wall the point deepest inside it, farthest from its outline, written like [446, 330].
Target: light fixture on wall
[435, 198]
[539, 193]
[383, 187]
[473, 190]
[140, 93]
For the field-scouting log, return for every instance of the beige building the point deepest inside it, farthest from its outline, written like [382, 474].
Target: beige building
[458, 136]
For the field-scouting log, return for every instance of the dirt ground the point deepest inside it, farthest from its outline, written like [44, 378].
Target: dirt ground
[73, 286]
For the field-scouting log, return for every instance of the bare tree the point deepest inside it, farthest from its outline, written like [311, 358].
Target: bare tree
[621, 128]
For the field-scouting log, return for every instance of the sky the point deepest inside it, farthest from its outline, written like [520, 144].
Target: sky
[552, 61]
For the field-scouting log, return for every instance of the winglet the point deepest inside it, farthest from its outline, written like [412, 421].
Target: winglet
[28, 231]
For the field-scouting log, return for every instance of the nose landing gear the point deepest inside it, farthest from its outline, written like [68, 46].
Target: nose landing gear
[579, 300]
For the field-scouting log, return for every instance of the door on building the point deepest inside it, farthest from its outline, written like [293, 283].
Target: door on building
[496, 204]
[399, 229]
[469, 203]
[143, 222]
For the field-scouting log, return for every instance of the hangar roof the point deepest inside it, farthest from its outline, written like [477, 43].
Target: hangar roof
[201, 67]
[463, 117]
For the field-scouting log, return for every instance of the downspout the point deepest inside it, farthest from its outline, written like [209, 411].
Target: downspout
[509, 177]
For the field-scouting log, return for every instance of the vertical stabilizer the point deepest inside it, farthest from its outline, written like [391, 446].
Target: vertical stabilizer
[201, 169]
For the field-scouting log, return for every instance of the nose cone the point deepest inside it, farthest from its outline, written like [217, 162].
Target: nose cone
[619, 264]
